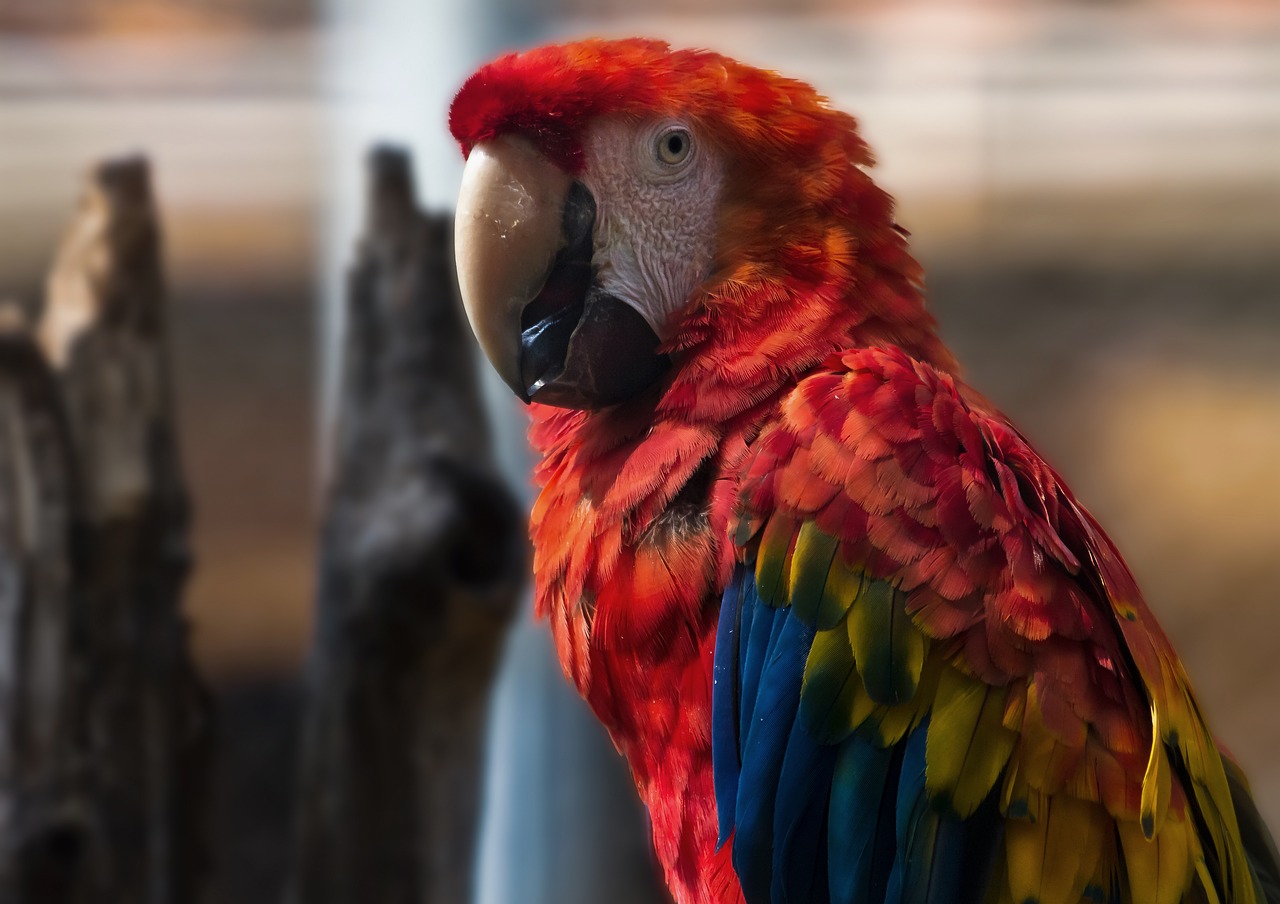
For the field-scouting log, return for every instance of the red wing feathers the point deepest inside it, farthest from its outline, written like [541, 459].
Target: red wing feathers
[885, 492]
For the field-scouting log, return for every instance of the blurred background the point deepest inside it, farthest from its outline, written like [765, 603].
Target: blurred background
[1093, 186]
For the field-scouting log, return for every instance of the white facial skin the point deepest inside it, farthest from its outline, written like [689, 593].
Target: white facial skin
[657, 188]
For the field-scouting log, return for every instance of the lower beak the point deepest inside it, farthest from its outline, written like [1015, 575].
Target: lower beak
[523, 242]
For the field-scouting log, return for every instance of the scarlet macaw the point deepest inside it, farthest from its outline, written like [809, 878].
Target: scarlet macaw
[858, 642]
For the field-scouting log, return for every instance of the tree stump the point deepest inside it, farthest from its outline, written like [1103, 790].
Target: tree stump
[45, 812]
[145, 717]
[423, 555]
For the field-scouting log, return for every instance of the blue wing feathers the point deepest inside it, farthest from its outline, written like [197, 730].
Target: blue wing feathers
[941, 858]
[860, 846]
[765, 622]
[763, 748]
[725, 703]
[800, 819]
[919, 867]
[813, 821]
[906, 818]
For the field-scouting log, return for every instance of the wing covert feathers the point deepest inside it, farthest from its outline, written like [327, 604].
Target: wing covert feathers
[1003, 721]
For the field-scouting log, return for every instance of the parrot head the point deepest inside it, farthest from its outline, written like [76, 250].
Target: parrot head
[613, 187]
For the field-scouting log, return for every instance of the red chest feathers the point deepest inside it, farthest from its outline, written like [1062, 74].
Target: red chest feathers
[630, 559]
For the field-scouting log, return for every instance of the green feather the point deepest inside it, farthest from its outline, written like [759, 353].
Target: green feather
[887, 648]
[967, 745]
[838, 593]
[892, 723]
[832, 701]
[774, 560]
[814, 557]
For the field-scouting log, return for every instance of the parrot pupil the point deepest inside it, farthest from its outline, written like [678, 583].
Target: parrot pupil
[673, 147]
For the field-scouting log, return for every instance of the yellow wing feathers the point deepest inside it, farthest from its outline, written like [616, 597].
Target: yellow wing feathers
[1083, 823]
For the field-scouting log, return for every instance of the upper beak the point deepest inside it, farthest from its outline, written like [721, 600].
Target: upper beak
[524, 249]
[506, 237]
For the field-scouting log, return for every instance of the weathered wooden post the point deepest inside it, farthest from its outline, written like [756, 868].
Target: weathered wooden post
[46, 845]
[145, 718]
[423, 554]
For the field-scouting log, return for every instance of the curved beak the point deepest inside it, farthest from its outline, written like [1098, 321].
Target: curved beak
[506, 237]
[523, 241]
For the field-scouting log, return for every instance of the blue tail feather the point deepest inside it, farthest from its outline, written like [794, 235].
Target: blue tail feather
[860, 840]
[941, 858]
[764, 747]
[800, 820]
[725, 704]
[766, 623]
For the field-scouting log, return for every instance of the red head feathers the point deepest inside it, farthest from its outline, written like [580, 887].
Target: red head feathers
[801, 222]
[550, 93]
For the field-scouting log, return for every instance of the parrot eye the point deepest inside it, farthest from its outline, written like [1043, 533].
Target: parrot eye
[674, 145]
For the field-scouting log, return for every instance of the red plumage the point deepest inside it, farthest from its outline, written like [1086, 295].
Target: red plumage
[628, 635]
[808, 385]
